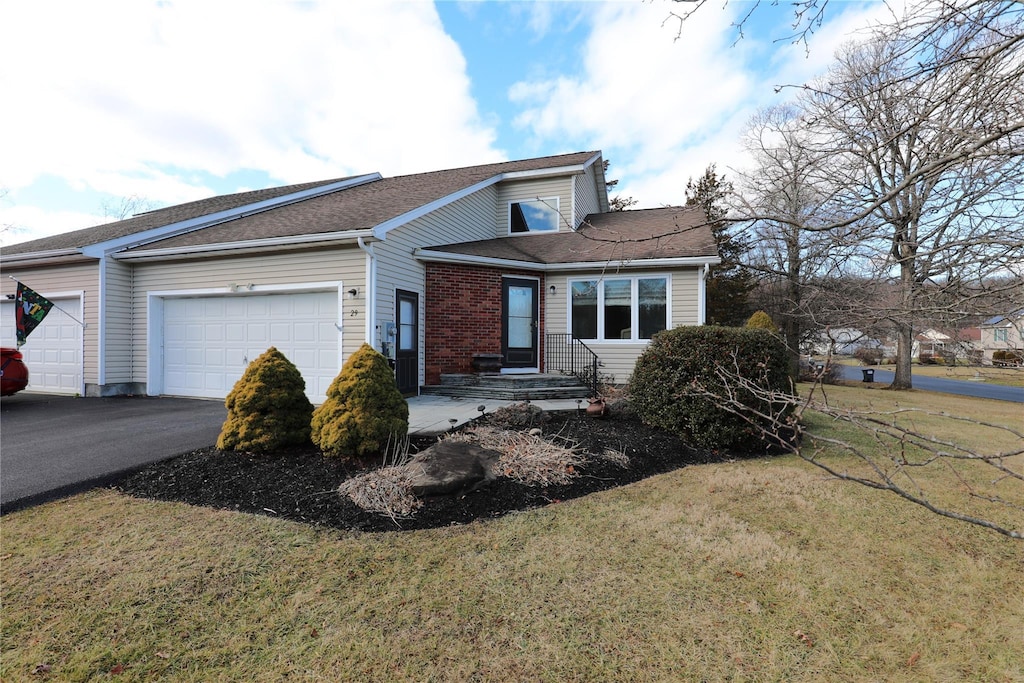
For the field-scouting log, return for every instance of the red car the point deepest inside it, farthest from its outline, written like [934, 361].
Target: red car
[13, 373]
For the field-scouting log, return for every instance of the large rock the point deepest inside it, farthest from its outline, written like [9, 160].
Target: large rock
[450, 466]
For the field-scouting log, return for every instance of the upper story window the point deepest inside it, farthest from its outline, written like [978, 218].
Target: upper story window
[534, 215]
[1000, 334]
[619, 308]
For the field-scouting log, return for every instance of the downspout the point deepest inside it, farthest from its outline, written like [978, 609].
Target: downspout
[101, 333]
[371, 291]
[702, 277]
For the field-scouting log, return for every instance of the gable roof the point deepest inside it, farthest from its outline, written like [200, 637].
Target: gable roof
[143, 222]
[366, 203]
[1008, 318]
[670, 233]
[371, 206]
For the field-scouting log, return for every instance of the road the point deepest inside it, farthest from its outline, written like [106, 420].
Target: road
[945, 386]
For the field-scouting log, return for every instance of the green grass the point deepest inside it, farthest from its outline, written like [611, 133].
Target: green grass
[755, 570]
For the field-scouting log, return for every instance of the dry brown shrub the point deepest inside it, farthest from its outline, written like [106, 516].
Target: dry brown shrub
[387, 491]
[525, 457]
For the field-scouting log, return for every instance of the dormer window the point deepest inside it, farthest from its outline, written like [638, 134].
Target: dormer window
[534, 215]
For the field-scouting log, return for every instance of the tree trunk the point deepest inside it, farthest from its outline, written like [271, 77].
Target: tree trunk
[904, 354]
[905, 328]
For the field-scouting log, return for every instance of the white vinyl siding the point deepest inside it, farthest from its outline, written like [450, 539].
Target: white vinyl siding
[618, 358]
[275, 270]
[468, 219]
[78, 277]
[585, 195]
[117, 323]
[526, 190]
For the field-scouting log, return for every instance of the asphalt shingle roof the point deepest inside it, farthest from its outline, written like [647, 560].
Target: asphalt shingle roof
[671, 232]
[154, 219]
[356, 208]
[362, 207]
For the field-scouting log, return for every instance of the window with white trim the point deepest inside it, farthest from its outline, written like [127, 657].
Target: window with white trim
[619, 308]
[1000, 334]
[534, 215]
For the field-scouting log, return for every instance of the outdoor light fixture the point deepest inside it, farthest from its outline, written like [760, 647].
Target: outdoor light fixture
[552, 290]
[352, 293]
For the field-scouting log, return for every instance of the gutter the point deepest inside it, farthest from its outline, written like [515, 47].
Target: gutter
[371, 290]
[243, 246]
[467, 259]
[45, 257]
[702, 298]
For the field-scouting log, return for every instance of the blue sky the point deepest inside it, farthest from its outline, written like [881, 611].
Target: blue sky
[176, 100]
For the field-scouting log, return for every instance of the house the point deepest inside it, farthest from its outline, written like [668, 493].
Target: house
[840, 341]
[930, 342]
[1003, 333]
[513, 261]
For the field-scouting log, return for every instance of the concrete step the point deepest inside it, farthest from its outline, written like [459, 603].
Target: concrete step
[506, 387]
[508, 393]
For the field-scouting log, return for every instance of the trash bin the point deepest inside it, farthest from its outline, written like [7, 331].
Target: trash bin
[869, 374]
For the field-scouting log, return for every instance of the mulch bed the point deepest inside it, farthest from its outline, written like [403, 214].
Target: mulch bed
[301, 485]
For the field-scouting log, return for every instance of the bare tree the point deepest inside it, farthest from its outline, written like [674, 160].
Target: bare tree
[927, 164]
[792, 259]
[126, 207]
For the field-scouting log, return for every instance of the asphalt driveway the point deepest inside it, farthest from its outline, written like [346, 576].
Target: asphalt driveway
[52, 446]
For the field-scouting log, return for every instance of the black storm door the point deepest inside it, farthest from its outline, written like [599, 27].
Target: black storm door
[407, 359]
[520, 322]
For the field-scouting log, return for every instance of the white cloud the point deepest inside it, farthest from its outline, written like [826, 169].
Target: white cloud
[662, 108]
[21, 223]
[124, 96]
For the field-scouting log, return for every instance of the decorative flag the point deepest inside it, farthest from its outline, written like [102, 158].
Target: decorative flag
[30, 310]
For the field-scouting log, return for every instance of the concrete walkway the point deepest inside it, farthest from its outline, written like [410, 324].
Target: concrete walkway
[429, 415]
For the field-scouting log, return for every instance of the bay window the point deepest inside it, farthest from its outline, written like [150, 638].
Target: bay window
[618, 308]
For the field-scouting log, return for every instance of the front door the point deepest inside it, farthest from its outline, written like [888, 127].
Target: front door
[407, 360]
[520, 322]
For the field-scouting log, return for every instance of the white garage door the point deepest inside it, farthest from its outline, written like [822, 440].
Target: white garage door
[53, 351]
[208, 342]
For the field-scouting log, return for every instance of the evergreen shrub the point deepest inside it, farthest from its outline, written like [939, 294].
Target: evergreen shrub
[267, 408]
[364, 412]
[762, 321]
[680, 364]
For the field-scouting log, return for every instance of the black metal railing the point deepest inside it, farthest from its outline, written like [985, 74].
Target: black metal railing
[566, 354]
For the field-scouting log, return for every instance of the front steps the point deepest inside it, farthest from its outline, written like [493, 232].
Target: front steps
[532, 387]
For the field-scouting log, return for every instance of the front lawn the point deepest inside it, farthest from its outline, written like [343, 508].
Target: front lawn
[761, 569]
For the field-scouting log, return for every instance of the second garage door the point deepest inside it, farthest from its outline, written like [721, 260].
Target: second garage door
[209, 341]
[53, 351]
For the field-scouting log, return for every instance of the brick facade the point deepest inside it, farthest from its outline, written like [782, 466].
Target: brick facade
[463, 316]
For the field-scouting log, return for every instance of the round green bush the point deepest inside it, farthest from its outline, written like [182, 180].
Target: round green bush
[364, 412]
[670, 379]
[762, 321]
[267, 408]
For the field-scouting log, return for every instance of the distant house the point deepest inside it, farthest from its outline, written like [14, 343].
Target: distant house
[841, 341]
[930, 342]
[1003, 333]
[509, 260]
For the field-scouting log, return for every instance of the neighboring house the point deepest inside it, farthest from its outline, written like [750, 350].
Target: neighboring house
[841, 341]
[967, 344]
[1002, 333]
[431, 268]
[930, 342]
